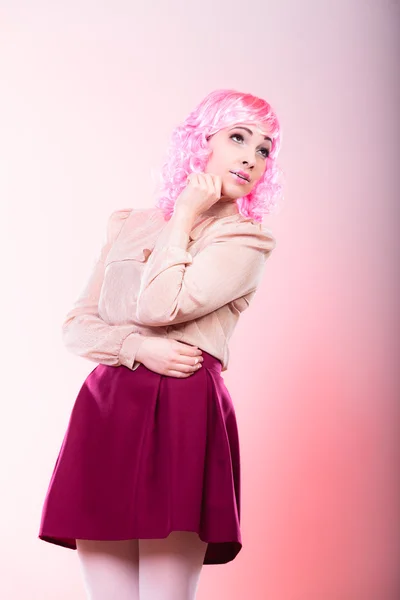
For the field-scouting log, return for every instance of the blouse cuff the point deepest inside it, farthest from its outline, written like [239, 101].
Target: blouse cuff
[129, 348]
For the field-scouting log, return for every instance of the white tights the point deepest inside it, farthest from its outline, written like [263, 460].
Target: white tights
[162, 569]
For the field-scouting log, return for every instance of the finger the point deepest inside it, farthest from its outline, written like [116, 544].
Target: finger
[180, 374]
[172, 373]
[218, 185]
[183, 354]
[203, 181]
[215, 185]
[187, 367]
[192, 179]
[187, 360]
[186, 349]
[210, 183]
[187, 352]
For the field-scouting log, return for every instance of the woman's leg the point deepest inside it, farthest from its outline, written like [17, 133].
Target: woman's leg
[170, 568]
[110, 569]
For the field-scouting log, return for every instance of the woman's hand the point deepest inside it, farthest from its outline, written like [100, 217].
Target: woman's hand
[202, 191]
[169, 357]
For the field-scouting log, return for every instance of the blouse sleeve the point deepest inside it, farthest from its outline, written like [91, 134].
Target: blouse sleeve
[176, 287]
[84, 333]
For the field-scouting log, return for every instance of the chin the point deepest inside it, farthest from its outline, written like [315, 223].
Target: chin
[234, 192]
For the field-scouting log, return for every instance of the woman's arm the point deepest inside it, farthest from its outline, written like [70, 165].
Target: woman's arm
[84, 333]
[176, 287]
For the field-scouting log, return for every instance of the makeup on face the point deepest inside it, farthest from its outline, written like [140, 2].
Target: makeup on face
[241, 160]
[249, 131]
[241, 177]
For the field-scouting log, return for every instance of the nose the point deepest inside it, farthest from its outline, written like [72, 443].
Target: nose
[248, 163]
[248, 158]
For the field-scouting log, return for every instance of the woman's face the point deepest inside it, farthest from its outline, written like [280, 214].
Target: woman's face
[242, 148]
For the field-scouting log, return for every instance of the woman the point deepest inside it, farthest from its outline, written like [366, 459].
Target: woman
[147, 481]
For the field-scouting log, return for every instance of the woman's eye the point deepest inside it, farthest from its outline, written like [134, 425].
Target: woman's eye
[266, 152]
[238, 135]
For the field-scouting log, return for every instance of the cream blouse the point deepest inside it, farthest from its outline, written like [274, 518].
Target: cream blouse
[146, 283]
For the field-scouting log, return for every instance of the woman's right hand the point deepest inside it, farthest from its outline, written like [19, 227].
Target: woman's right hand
[169, 357]
[201, 192]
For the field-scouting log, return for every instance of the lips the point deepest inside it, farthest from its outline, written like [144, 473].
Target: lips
[241, 174]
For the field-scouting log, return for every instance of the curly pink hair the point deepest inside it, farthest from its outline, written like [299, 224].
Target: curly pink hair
[188, 151]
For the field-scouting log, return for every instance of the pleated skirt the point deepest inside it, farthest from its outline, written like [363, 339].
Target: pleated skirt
[144, 455]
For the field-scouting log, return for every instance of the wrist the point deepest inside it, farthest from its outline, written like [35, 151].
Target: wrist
[177, 230]
[185, 216]
[141, 350]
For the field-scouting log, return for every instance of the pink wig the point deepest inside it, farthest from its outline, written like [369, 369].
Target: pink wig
[188, 151]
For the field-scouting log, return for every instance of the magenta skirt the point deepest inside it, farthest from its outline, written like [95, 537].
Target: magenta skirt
[144, 455]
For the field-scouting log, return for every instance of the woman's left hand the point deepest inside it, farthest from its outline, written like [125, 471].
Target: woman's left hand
[202, 191]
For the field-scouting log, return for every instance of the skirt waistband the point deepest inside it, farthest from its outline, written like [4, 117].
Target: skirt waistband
[211, 362]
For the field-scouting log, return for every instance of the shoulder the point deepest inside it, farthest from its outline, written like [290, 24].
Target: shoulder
[138, 218]
[116, 221]
[118, 217]
[247, 232]
[139, 215]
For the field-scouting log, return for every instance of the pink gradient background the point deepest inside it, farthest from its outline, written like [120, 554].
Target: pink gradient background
[89, 93]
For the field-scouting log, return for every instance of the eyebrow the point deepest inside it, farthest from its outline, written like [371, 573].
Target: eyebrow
[250, 132]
